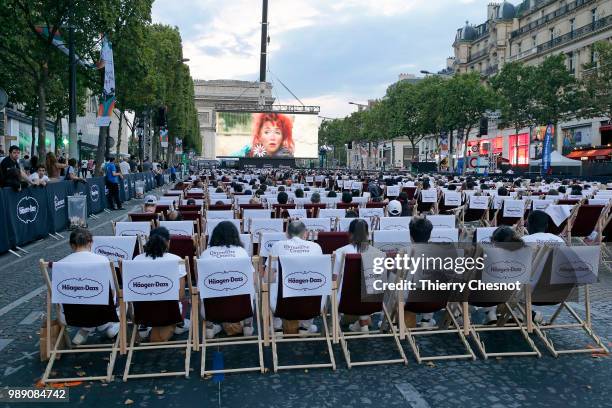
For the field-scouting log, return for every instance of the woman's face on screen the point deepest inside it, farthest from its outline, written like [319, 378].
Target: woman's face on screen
[271, 137]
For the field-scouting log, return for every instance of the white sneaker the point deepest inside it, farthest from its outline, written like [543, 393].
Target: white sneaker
[182, 327]
[427, 323]
[143, 331]
[213, 331]
[81, 337]
[537, 316]
[112, 330]
[247, 331]
[312, 329]
[358, 328]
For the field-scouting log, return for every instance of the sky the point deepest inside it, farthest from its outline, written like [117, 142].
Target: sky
[327, 52]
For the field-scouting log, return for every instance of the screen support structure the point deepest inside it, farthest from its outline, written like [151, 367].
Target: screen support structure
[264, 53]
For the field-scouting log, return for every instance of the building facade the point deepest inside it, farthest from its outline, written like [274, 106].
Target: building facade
[529, 32]
[210, 93]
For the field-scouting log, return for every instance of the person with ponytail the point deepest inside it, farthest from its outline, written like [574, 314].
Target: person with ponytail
[156, 248]
[359, 238]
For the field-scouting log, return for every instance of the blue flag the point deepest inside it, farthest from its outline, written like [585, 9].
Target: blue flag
[547, 149]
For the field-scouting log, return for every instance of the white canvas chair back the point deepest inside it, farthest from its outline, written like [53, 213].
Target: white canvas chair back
[498, 201]
[178, 193]
[242, 199]
[446, 235]
[224, 215]
[540, 204]
[255, 213]
[217, 196]
[179, 227]
[394, 223]
[429, 196]
[442, 221]
[361, 201]
[151, 280]
[514, 208]
[391, 240]
[199, 201]
[297, 213]
[211, 224]
[136, 228]
[259, 225]
[224, 201]
[599, 201]
[344, 223]
[452, 199]
[81, 283]
[114, 248]
[331, 213]
[267, 241]
[371, 212]
[171, 201]
[306, 275]
[575, 264]
[478, 202]
[483, 234]
[222, 277]
[393, 191]
[300, 201]
[317, 224]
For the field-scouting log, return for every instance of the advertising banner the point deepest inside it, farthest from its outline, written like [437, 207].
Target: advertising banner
[4, 240]
[547, 149]
[26, 215]
[96, 199]
[58, 208]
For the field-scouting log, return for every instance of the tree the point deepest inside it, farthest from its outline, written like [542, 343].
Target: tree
[402, 113]
[597, 83]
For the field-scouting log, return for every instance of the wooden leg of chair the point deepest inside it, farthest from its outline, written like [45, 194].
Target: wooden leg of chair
[188, 350]
[195, 320]
[126, 372]
[52, 352]
[328, 341]
[260, 329]
[113, 357]
[465, 313]
[395, 335]
[273, 341]
[400, 320]
[587, 305]
[528, 309]
[122, 327]
[203, 351]
[265, 314]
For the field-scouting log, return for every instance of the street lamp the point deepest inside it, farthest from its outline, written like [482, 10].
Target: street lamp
[360, 106]
[183, 60]
[79, 146]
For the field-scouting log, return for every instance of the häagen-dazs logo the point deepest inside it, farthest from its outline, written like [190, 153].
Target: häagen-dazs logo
[94, 193]
[174, 231]
[131, 233]
[226, 280]
[58, 204]
[150, 285]
[270, 243]
[306, 280]
[395, 227]
[111, 251]
[80, 288]
[392, 246]
[27, 209]
[507, 269]
[575, 269]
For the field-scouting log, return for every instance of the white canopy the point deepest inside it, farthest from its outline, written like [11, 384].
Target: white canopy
[557, 160]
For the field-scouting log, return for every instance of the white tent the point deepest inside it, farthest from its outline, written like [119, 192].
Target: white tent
[557, 160]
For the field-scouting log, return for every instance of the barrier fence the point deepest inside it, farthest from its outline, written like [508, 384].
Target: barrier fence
[35, 212]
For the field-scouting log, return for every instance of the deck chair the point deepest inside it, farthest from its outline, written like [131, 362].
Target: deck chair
[347, 206]
[330, 241]
[79, 315]
[588, 218]
[411, 191]
[547, 294]
[193, 216]
[185, 207]
[224, 207]
[502, 216]
[313, 209]
[445, 206]
[149, 311]
[154, 217]
[298, 308]
[567, 202]
[427, 301]
[221, 306]
[280, 210]
[374, 204]
[478, 217]
[510, 322]
[424, 207]
[349, 302]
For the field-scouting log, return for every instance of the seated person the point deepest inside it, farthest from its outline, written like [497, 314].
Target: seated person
[282, 198]
[332, 194]
[420, 232]
[150, 202]
[225, 243]
[191, 201]
[156, 248]
[14, 179]
[80, 243]
[315, 198]
[347, 197]
[39, 177]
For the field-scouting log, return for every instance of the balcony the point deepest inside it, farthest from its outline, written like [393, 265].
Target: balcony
[475, 55]
[576, 34]
[491, 70]
[550, 17]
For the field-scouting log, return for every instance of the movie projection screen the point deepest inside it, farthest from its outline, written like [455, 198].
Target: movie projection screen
[269, 135]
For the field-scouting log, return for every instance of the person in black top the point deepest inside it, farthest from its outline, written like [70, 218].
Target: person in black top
[9, 162]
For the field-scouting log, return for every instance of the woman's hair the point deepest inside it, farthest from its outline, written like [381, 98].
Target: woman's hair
[505, 234]
[80, 237]
[347, 197]
[283, 122]
[191, 201]
[50, 162]
[299, 193]
[225, 234]
[359, 235]
[157, 245]
[351, 214]
[219, 190]
[72, 162]
[315, 198]
[332, 194]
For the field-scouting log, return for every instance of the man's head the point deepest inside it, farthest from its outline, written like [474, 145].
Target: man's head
[299, 193]
[41, 170]
[282, 197]
[420, 229]
[81, 239]
[537, 222]
[111, 159]
[315, 198]
[296, 229]
[14, 152]
[150, 202]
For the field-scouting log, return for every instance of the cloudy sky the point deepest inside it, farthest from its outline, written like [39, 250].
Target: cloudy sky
[328, 52]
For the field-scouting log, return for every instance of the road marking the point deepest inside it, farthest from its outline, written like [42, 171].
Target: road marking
[31, 317]
[411, 395]
[11, 370]
[21, 300]
[4, 343]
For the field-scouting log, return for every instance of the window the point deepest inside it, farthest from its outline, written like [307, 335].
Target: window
[520, 48]
[593, 55]
[519, 149]
[534, 41]
[572, 26]
[571, 62]
[552, 33]
[593, 15]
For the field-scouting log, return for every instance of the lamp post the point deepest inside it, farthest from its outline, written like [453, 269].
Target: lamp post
[79, 147]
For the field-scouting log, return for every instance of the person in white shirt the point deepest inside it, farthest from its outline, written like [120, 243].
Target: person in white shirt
[39, 177]
[294, 245]
[124, 166]
[157, 248]
[359, 238]
[80, 242]
[225, 243]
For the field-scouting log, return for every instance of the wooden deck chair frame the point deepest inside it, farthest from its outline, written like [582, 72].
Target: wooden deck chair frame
[509, 322]
[599, 225]
[53, 350]
[173, 344]
[295, 338]
[233, 341]
[580, 323]
[344, 337]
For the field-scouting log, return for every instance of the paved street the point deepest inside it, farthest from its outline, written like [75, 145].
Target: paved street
[579, 381]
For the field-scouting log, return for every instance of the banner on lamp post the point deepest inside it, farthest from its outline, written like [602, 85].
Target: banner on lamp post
[107, 101]
[547, 149]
